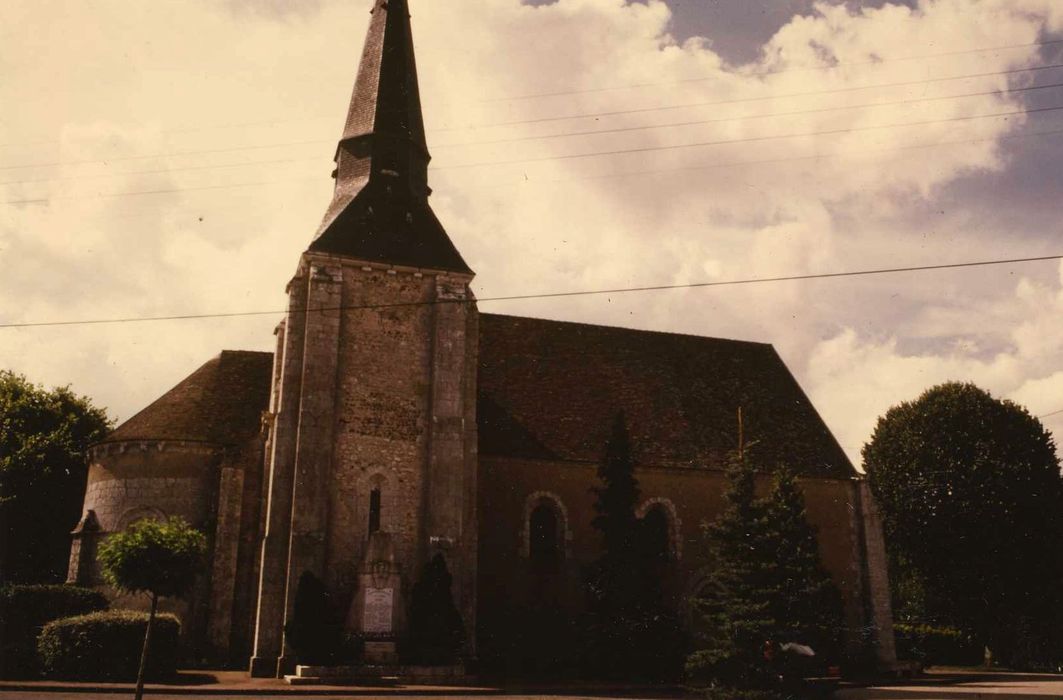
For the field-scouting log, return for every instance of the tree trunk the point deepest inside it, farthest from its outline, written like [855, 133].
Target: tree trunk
[147, 646]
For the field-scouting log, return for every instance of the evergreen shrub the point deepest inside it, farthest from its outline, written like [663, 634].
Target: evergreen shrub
[314, 631]
[24, 610]
[106, 646]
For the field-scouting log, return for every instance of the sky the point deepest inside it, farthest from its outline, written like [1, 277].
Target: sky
[173, 158]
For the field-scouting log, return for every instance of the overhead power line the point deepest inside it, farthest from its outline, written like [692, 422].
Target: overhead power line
[747, 139]
[746, 117]
[547, 119]
[270, 122]
[654, 171]
[1053, 413]
[544, 137]
[740, 100]
[549, 295]
[754, 74]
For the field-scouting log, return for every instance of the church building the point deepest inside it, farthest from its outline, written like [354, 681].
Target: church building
[395, 422]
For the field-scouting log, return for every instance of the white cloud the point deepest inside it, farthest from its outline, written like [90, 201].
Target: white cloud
[202, 79]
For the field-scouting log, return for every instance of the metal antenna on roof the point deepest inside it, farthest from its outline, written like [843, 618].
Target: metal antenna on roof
[741, 438]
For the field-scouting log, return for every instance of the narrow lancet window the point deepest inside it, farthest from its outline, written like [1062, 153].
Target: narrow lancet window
[374, 510]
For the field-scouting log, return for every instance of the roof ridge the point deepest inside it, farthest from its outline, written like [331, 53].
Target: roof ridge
[628, 329]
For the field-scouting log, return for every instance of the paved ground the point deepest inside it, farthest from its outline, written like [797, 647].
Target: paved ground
[953, 685]
[964, 685]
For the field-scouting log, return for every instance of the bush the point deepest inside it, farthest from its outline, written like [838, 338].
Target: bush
[314, 631]
[937, 646]
[106, 646]
[24, 610]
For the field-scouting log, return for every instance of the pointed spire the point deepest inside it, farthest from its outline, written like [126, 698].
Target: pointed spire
[380, 211]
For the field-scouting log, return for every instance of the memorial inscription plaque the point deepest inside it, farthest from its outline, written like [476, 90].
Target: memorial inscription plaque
[377, 613]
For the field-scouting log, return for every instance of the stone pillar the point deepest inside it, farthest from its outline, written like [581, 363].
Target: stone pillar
[449, 525]
[316, 420]
[878, 588]
[82, 571]
[273, 570]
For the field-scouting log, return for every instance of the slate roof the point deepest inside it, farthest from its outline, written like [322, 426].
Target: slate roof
[551, 389]
[221, 402]
[379, 211]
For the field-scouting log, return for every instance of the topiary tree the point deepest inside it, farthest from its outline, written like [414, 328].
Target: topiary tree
[160, 559]
[436, 632]
[971, 498]
[314, 631]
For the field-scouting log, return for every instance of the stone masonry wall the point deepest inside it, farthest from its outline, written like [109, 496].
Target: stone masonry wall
[691, 497]
[374, 396]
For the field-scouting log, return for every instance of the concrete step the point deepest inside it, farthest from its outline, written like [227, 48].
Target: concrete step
[364, 681]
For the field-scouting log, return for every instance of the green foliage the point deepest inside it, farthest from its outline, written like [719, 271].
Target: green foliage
[937, 646]
[106, 646]
[629, 630]
[161, 558]
[767, 585]
[24, 610]
[436, 632]
[43, 437]
[972, 500]
[808, 606]
[738, 599]
[314, 631]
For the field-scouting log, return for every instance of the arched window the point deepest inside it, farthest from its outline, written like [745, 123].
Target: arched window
[374, 510]
[544, 538]
[660, 528]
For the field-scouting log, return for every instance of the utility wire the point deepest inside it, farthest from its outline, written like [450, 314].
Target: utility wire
[270, 122]
[547, 119]
[158, 171]
[1053, 413]
[753, 74]
[655, 171]
[748, 139]
[551, 136]
[547, 295]
[810, 93]
[791, 159]
[820, 110]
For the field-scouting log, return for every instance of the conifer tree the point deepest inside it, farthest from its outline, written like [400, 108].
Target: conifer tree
[737, 602]
[615, 579]
[808, 607]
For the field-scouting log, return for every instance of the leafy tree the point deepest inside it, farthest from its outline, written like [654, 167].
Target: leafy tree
[43, 437]
[971, 496]
[157, 558]
[436, 631]
[740, 595]
[631, 629]
[808, 606]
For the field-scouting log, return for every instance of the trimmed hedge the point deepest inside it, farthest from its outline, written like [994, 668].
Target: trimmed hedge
[24, 610]
[105, 646]
[937, 646]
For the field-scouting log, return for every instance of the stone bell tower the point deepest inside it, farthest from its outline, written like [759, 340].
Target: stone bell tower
[374, 385]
